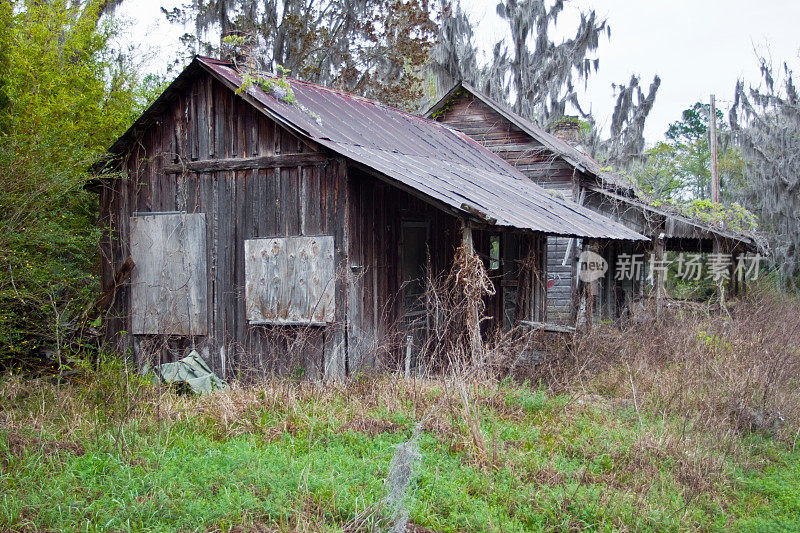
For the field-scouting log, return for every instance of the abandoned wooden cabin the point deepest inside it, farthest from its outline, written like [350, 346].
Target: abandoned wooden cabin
[559, 166]
[303, 220]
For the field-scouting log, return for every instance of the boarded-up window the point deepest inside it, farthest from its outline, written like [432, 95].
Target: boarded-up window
[168, 283]
[290, 280]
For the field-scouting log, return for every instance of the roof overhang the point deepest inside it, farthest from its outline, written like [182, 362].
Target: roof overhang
[680, 227]
[401, 169]
[677, 226]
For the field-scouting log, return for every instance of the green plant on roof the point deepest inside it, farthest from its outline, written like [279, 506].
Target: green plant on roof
[661, 202]
[449, 104]
[279, 88]
[733, 217]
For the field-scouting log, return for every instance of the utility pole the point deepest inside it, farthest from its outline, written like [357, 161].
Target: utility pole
[712, 122]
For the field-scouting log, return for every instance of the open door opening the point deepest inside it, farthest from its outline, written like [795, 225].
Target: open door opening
[414, 270]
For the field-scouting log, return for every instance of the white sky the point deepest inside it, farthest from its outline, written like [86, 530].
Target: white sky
[698, 47]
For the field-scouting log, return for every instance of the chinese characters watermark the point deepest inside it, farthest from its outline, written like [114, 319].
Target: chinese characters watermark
[690, 267]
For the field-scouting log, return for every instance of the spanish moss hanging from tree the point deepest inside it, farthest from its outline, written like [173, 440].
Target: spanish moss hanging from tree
[542, 75]
[765, 121]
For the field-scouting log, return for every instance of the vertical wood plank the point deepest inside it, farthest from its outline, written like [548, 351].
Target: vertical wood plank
[194, 122]
[658, 257]
[241, 232]
[336, 335]
[208, 124]
[358, 337]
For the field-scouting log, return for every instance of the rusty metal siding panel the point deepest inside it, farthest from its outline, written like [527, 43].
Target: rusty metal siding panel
[290, 280]
[442, 164]
[168, 283]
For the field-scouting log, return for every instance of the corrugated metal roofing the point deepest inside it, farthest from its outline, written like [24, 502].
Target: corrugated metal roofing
[678, 225]
[442, 164]
[569, 153]
[610, 181]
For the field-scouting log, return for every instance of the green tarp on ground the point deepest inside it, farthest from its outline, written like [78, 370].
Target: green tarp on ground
[193, 371]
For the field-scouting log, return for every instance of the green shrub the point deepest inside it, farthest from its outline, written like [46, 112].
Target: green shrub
[65, 96]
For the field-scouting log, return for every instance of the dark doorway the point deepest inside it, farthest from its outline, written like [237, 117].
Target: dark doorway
[414, 271]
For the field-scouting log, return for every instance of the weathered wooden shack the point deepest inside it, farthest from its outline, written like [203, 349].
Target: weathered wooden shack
[279, 217]
[558, 166]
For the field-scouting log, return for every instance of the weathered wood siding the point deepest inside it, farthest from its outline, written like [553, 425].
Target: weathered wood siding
[208, 121]
[474, 118]
[377, 212]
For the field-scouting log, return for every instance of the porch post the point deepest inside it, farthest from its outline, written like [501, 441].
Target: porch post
[592, 288]
[741, 282]
[734, 286]
[717, 250]
[659, 251]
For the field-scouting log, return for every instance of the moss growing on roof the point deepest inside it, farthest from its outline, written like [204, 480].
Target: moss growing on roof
[449, 105]
[732, 217]
[279, 88]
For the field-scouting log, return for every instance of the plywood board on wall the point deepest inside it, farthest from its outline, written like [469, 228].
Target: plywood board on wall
[290, 280]
[169, 281]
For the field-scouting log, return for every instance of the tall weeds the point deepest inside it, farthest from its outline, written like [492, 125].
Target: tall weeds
[708, 380]
[696, 392]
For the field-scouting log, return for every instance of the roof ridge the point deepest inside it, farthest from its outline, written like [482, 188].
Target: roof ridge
[440, 164]
[315, 85]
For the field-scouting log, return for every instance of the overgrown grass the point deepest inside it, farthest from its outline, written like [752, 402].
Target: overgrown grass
[601, 450]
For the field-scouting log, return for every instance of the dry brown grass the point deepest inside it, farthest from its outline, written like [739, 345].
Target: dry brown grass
[692, 385]
[706, 379]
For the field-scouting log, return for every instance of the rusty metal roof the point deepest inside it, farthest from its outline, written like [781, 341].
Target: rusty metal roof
[610, 183]
[437, 161]
[680, 226]
[578, 159]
